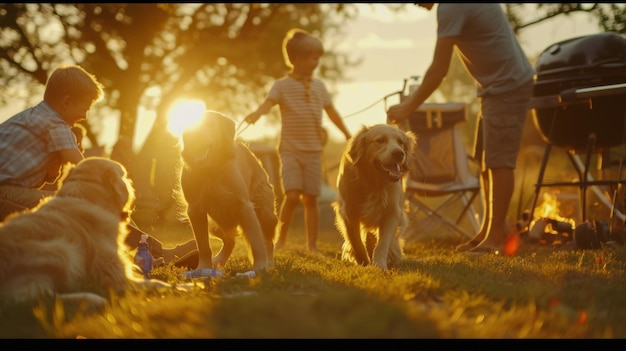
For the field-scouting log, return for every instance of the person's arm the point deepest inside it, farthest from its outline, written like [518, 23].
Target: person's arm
[72, 156]
[53, 172]
[432, 79]
[263, 109]
[55, 167]
[334, 116]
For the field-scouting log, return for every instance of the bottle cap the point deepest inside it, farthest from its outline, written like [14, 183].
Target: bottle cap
[144, 239]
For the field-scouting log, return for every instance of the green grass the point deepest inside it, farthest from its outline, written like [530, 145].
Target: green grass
[541, 292]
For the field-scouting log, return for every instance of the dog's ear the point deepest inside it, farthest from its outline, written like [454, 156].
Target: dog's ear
[115, 178]
[227, 129]
[410, 144]
[189, 141]
[357, 145]
[226, 124]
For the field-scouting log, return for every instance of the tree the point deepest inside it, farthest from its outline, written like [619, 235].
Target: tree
[148, 55]
[611, 17]
[151, 54]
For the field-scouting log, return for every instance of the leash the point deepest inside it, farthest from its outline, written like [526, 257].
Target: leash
[383, 99]
[239, 130]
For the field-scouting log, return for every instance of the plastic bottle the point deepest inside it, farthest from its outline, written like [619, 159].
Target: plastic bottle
[143, 257]
[413, 84]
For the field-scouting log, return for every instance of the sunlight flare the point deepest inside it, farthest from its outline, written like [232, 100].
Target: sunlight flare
[183, 114]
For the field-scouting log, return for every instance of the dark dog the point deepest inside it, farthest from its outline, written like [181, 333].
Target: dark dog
[370, 205]
[225, 188]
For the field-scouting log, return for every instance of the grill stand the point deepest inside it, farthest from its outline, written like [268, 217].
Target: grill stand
[584, 181]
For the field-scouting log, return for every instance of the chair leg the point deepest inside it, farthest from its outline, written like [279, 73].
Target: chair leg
[435, 213]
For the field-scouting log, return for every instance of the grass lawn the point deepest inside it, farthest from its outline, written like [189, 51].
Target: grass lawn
[540, 292]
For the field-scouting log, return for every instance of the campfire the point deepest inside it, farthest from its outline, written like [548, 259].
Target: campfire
[548, 226]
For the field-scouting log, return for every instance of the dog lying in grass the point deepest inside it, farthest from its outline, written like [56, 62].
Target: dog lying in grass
[226, 189]
[370, 205]
[71, 245]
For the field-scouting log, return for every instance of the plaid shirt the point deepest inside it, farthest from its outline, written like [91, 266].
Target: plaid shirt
[28, 144]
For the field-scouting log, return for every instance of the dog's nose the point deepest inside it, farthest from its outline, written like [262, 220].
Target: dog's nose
[398, 155]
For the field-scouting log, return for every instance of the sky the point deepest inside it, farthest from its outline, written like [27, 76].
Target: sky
[395, 46]
[398, 46]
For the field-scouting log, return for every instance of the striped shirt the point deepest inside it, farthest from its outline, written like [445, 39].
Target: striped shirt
[28, 144]
[301, 119]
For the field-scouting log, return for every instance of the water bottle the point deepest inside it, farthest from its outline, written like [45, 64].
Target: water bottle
[413, 84]
[143, 258]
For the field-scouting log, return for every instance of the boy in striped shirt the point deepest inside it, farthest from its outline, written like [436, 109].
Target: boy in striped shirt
[302, 100]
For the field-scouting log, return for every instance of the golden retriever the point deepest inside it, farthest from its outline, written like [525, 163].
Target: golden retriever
[71, 245]
[369, 211]
[226, 189]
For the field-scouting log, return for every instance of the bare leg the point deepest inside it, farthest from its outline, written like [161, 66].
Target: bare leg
[311, 221]
[486, 195]
[286, 215]
[502, 186]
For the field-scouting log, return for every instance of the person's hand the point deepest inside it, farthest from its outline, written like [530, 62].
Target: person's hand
[399, 112]
[252, 117]
[347, 135]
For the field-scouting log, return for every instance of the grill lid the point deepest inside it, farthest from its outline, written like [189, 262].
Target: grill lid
[602, 50]
[580, 90]
[588, 61]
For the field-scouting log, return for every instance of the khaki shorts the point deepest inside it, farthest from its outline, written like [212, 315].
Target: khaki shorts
[301, 171]
[501, 126]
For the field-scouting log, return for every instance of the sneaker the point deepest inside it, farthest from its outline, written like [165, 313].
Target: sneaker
[203, 273]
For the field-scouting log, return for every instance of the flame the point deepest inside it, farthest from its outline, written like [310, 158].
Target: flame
[548, 220]
[549, 208]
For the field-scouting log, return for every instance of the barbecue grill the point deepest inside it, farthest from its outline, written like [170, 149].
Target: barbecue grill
[579, 103]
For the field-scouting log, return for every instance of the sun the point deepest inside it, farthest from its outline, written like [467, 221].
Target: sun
[183, 114]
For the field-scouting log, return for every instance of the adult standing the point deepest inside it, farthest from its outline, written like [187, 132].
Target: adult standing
[489, 50]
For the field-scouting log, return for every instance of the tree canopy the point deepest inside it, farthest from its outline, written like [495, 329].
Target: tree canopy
[149, 55]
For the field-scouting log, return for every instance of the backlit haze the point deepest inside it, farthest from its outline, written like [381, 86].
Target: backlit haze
[393, 47]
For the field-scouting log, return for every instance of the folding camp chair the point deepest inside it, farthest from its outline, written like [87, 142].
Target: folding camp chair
[443, 184]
